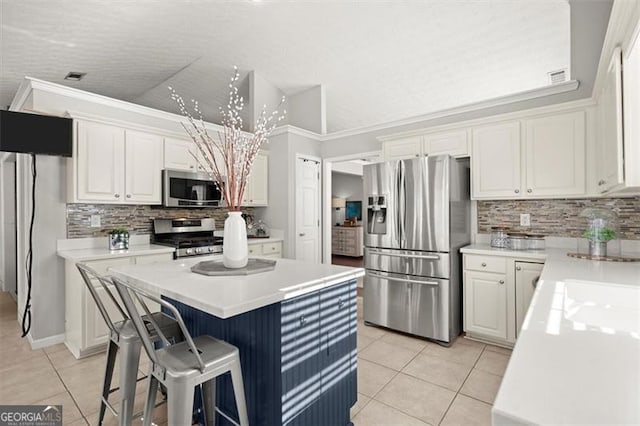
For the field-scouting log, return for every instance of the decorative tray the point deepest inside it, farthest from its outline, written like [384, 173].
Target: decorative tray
[605, 258]
[217, 268]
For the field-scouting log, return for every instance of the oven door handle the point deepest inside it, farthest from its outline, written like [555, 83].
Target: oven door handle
[411, 256]
[403, 280]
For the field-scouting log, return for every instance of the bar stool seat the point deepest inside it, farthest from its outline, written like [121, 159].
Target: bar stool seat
[180, 367]
[124, 339]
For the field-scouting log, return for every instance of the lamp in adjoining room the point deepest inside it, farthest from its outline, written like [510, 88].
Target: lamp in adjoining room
[338, 203]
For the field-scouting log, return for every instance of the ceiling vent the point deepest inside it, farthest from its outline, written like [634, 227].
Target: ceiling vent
[559, 76]
[75, 76]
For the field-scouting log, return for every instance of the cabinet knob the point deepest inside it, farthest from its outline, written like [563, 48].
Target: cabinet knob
[303, 320]
[117, 195]
[128, 195]
[517, 191]
[518, 268]
[484, 264]
[191, 167]
[501, 282]
[601, 182]
[302, 234]
[529, 190]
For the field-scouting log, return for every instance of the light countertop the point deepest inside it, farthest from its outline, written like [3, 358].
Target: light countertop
[264, 240]
[99, 253]
[577, 358]
[227, 296]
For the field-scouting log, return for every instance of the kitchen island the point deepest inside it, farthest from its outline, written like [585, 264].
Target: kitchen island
[295, 328]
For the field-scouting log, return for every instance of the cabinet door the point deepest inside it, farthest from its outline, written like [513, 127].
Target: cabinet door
[452, 143]
[555, 155]
[631, 108]
[495, 161]
[402, 148]
[97, 332]
[143, 172]
[100, 162]
[257, 189]
[609, 141]
[301, 358]
[179, 155]
[527, 275]
[485, 304]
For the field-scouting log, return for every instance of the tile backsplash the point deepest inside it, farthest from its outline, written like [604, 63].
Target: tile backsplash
[136, 218]
[559, 218]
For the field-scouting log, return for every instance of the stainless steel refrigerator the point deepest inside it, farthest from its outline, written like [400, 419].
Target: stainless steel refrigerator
[417, 217]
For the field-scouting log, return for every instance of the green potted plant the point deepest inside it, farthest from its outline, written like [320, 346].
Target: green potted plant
[598, 235]
[119, 239]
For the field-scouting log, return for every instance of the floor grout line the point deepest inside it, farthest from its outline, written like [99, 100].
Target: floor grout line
[66, 388]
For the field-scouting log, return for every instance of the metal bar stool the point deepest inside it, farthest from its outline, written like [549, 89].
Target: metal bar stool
[123, 338]
[180, 367]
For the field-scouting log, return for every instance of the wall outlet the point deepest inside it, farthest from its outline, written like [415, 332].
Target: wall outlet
[525, 219]
[95, 221]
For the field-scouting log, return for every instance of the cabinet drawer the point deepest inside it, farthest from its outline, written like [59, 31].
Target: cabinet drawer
[101, 266]
[271, 248]
[255, 249]
[485, 263]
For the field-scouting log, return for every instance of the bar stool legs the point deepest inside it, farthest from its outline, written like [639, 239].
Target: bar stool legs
[129, 362]
[238, 391]
[112, 350]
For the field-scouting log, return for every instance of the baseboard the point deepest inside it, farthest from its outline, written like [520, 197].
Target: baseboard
[47, 341]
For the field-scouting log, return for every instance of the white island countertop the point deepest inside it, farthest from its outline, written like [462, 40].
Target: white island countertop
[226, 296]
[577, 357]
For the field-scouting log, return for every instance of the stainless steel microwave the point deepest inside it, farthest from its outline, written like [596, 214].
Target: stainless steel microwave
[188, 189]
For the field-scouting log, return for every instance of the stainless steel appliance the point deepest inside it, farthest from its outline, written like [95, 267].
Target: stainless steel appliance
[190, 237]
[188, 189]
[417, 217]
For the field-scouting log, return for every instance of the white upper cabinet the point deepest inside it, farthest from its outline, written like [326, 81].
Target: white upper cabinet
[257, 189]
[399, 149]
[631, 108]
[495, 161]
[544, 160]
[143, 165]
[115, 165]
[555, 155]
[99, 162]
[179, 155]
[609, 151]
[453, 143]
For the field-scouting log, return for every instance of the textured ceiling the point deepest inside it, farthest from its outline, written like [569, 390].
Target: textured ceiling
[379, 60]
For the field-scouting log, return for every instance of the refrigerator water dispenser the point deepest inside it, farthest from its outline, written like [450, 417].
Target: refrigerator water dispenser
[377, 215]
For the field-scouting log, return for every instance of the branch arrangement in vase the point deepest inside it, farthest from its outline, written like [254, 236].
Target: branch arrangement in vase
[228, 159]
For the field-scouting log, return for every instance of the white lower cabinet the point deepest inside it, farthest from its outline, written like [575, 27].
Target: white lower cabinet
[497, 292]
[85, 330]
[272, 249]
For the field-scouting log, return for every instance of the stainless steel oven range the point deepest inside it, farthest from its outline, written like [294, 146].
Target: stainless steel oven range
[417, 217]
[190, 237]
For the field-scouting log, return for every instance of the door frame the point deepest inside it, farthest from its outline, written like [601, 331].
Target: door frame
[293, 227]
[327, 222]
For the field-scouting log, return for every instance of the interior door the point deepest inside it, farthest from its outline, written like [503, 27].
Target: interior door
[308, 210]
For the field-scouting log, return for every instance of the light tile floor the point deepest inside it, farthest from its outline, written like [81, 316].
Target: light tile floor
[401, 380]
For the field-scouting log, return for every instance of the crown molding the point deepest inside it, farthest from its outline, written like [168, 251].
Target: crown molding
[566, 86]
[289, 129]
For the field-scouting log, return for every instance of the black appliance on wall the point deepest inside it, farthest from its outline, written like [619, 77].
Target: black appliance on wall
[34, 134]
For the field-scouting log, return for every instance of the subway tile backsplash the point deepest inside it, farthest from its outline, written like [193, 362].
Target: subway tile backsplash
[559, 218]
[136, 218]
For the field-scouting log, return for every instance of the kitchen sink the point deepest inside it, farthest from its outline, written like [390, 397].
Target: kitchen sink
[609, 308]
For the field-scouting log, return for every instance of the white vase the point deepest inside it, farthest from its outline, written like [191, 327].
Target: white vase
[235, 251]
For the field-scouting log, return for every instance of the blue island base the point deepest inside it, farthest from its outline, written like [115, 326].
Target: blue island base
[298, 357]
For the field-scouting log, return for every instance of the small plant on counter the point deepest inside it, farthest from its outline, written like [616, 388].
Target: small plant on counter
[116, 231]
[599, 234]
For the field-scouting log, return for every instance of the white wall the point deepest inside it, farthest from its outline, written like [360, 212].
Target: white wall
[346, 186]
[261, 93]
[47, 318]
[307, 110]
[8, 225]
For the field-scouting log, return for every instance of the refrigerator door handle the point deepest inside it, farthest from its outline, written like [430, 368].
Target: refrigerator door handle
[411, 256]
[403, 280]
[402, 206]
